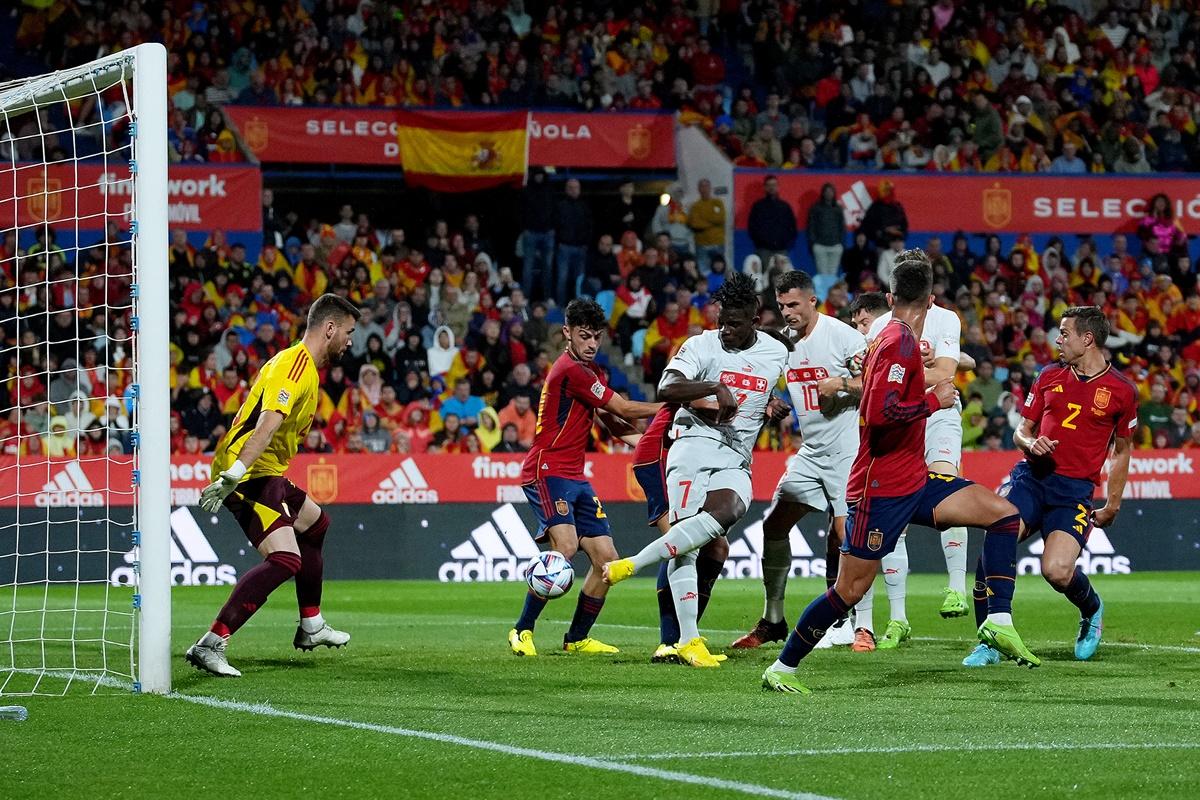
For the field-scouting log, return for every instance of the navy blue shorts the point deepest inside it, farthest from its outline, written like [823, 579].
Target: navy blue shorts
[874, 524]
[560, 501]
[652, 478]
[1051, 502]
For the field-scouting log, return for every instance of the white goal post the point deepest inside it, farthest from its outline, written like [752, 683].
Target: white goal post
[66, 138]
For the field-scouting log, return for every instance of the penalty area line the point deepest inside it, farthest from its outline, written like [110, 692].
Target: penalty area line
[918, 748]
[266, 710]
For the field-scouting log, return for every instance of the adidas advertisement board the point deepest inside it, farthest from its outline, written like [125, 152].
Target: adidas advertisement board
[471, 542]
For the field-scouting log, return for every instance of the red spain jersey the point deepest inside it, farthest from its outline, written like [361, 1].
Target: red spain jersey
[654, 441]
[892, 414]
[1083, 415]
[572, 392]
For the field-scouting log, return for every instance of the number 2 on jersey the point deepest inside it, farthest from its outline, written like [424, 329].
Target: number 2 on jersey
[1075, 409]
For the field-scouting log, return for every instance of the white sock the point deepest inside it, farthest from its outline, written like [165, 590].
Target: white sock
[954, 548]
[779, 666]
[864, 612]
[211, 639]
[684, 537]
[895, 575]
[312, 624]
[1003, 618]
[776, 567]
[681, 574]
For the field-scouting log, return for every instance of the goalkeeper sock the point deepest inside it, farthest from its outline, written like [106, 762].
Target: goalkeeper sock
[252, 590]
[979, 595]
[532, 609]
[587, 608]
[312, 568]
[668, 623]
[1080, 592]
[684, 537]
[895, 576]
[954, 548]
[820, 614]
[1000, 567]
[684, 588]
[776, 566]
[707, 571]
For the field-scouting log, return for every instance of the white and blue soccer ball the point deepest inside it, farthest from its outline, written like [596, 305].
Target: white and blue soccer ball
[550, 575]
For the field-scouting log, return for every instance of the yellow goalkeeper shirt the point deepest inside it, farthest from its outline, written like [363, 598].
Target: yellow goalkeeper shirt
[288, 383]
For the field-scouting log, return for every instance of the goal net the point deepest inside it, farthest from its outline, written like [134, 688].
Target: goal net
[84, 415]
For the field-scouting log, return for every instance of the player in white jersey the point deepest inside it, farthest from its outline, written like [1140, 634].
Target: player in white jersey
[820, 370]
[940, 349]
[708, 465]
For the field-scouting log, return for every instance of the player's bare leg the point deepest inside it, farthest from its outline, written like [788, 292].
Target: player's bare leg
[520, 639]
[776, 566]
[1061, 572]
[282, 562]
[954, 550]
[313, 631]
[975, 505]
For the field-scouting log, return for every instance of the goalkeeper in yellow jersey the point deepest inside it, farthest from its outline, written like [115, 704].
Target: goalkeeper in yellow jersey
[279, 519]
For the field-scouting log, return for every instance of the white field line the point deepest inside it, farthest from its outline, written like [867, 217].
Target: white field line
[265, 710]
[918, 748]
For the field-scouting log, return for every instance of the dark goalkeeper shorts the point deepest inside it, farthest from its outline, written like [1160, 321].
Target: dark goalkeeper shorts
[262, 505]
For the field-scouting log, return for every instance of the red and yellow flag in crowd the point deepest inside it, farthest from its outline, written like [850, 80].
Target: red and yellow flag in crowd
[463, 151]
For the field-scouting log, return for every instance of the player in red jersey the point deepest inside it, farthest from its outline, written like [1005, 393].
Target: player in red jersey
[889, 484]
[1076, 413]
[568, 511]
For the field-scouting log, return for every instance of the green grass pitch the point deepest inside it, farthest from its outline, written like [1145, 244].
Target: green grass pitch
[432, 659]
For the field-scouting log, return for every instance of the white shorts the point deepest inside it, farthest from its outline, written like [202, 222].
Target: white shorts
[696, 466]
[943, 437]
[818, 482]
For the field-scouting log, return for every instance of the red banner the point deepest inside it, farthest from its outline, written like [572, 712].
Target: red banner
[426, 479]
[199, 197]
[368, 136]
[938, 202]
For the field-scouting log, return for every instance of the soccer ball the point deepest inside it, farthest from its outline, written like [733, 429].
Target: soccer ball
[550, 575]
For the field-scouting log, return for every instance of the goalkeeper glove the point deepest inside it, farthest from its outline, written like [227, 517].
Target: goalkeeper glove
[213, 497]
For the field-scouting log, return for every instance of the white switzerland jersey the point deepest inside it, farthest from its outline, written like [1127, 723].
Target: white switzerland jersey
[826, 352]
[750, 374]
[941, 334]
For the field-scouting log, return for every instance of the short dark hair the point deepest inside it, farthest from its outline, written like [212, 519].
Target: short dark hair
[874, 303]
[912, 277]
[1089, 319]
[793, 279]
[737, 292]
[331, 306]
[585, 313]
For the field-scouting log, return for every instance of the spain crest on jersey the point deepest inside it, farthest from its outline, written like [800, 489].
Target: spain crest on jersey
[1101, 398]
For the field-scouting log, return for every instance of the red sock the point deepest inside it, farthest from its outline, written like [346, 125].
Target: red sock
[312, 567]
[252, 591]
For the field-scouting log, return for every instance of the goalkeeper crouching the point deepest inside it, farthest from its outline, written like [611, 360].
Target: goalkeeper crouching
[279, 519]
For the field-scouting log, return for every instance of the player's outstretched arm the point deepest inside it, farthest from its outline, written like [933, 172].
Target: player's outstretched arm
[619, 427]
[631, 409]
[1118, 473]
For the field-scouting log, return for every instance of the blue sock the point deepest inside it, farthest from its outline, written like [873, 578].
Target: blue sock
[1000, 563]
[1080, 592]
[820, 614]
[586, 611]
[531, 611]
[668, 623]
[979, 595]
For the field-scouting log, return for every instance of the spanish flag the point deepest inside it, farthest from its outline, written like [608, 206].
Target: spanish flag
[461, 151]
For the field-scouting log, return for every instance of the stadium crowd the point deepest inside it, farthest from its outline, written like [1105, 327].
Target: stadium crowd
[1070, 87]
